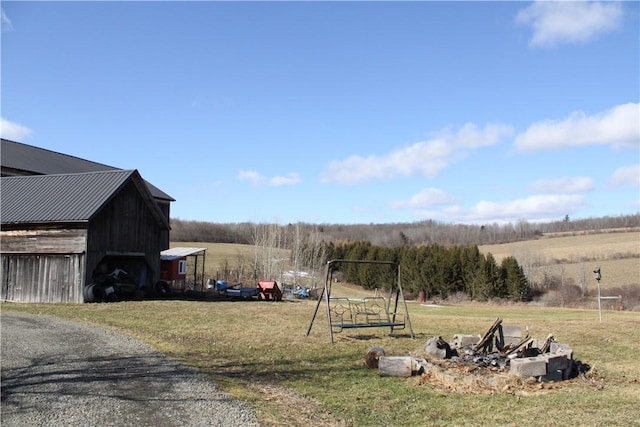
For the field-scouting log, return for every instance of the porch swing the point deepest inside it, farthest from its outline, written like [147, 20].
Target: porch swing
[369, 312]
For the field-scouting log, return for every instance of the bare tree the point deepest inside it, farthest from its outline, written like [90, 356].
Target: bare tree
[268, 241]
[417, 233]
[582, 278]
[314, 255]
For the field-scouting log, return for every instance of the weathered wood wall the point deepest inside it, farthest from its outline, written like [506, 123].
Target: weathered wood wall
[165, 207]
[50, 278]
[45, 240]
[43, 265]
[53, 263]
[126, 225]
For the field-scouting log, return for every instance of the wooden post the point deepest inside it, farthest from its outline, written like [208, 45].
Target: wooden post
[485, 341]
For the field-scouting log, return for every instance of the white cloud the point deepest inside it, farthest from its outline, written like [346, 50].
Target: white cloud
[290, 179]
[534, 208]
[424, 199]
[575, 185]
[618, 127]
[257, 180]
[425, 158]
[14, 131]
[432, 203]
[254, 177]
[5, 22]
[627, 176]
[556, 22]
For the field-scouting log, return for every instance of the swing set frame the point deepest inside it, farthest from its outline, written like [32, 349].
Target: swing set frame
[370, 312]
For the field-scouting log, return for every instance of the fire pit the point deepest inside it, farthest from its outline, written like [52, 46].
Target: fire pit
[503, 358]
[506, 349]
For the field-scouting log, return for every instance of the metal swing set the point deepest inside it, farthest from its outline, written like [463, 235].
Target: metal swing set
[369, 312]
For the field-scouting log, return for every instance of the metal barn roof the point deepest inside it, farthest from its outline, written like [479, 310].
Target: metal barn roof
[28, 158]
[179, 252]
[59, 198]
[22, 159]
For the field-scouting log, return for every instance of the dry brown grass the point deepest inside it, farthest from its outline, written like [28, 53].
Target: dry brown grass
[601, 246]
[258, 352]
[217, 254]
[567, 256]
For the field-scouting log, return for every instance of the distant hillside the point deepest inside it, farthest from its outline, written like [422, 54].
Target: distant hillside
[416, 233]
[562, 264]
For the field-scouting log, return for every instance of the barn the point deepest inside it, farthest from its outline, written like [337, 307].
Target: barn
[76, 237]
[20, 159]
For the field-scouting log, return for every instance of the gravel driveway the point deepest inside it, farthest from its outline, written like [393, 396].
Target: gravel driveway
[61, 373]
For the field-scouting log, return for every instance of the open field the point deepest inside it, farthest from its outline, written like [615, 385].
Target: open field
[573, 248]
[570, 257]
[258, 351]
[574, 257]
[218, 254]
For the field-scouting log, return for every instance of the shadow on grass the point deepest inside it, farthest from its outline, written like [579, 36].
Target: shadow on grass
[221, 297]
[337, 364]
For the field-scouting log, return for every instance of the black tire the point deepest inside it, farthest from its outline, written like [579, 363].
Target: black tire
[93, 293]
[163, 289]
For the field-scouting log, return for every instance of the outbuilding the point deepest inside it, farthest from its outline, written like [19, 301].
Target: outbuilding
[173, 263]
[62, 233]
[19, 159]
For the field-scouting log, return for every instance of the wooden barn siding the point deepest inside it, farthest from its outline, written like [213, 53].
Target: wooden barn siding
[43, 265]
[165, 237]
[125, 225]
[33, 241]
[48, 278]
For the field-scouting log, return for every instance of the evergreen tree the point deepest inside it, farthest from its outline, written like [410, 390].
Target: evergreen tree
[428, 271]
[491, 278]
[471, 271]
[369, 273]
[517, 286]
[410, 261]
[356, 251]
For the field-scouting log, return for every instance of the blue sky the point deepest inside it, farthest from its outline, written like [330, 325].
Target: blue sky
[339, 112]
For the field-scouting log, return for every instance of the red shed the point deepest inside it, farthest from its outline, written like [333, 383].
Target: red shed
[173, 265]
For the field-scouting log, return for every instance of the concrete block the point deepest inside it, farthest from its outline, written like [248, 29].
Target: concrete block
[555, 376]
[555, 362]
[462, 340]
[556, 347]
[512, 331]
[438, 348]
[511, 335]
[528, 366]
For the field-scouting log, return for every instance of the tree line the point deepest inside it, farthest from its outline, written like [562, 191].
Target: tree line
[396, 234]
[443, 266]
[434, 270]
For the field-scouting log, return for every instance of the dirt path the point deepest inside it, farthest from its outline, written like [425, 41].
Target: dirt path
[62, 373]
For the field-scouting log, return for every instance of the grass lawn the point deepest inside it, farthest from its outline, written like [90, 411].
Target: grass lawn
[258, 351]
